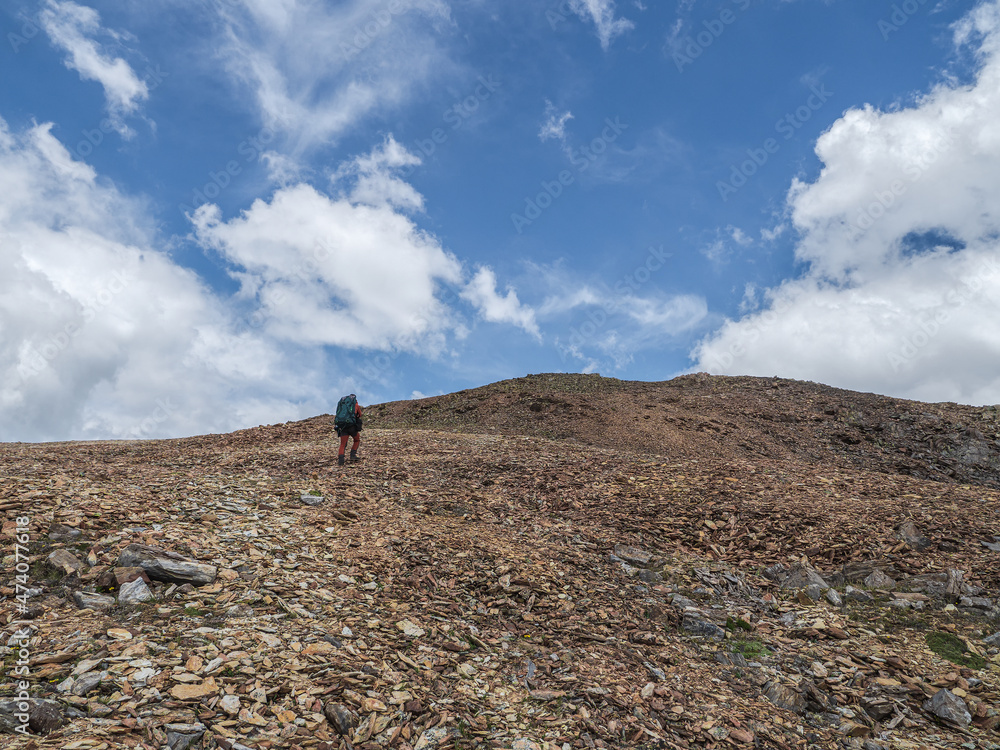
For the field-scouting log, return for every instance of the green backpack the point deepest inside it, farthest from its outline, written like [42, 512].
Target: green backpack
[346, 414]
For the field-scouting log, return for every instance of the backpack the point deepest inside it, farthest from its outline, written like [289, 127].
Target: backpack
[346, 412]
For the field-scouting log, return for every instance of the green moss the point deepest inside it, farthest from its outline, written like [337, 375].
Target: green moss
[953, 648]
[735, 623]
[750, 649]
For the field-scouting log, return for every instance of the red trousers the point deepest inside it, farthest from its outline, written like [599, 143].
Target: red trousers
[343, 442]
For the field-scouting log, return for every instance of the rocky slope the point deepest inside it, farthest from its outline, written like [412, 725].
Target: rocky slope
[552, 562]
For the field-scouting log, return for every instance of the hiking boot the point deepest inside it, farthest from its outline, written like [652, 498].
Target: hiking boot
[354, 456]
[340, 460]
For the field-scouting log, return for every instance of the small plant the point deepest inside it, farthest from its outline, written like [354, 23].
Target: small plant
[750, 649]
[735, 623]
[953, 648]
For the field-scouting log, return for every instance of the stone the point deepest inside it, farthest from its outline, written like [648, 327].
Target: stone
[993, 640]
[312, 499]
[633, 555]
[907, 532]
[975, 602]
[900, 604]
[801, 576]
[819, 671]
[44, 716]
[193, 692]
[85, 600]
[857, 595]
[230, 704]
[776, 572]
[833, 598]
[814, 591]
[696, 626]
[87, 683]
[61, 533]
[134, 592]
[163, 565]
[64, 562]
[650, 576]
[879, 580]
[432, 738]
[785, 697]
[410, 629]
[182, 736]
[341, 718]
[991, 546]
[948, 706]
[953, 585]
[118, 577]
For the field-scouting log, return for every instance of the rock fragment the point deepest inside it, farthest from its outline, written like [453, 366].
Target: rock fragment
[163, 565]
[948, 706]
[64, 562]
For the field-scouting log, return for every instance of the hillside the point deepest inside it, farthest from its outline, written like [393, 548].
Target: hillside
[549, 562]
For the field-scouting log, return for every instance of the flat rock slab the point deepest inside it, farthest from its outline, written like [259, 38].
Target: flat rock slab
[948, 706]
[163, 565]
[64, 561]
[134, 592]
[85, 600]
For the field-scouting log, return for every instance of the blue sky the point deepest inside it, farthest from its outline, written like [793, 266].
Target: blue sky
[219, 213]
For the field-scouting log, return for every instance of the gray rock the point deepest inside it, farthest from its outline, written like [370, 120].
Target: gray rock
[857, 595]
[785, 697]
[61, 533]
[432, 738]
[991, 546]
[134, 592]
[993, 640]
[85, 600]
[682, 602]
[879, 580]
[900, 604]
[182, 736]
[633, 555]
[834, 598]
[953, 586]
[814, 591]
[907, 532]
[163, 565]
[64, 562]
[696, 626]
[801, 576]
[44, 716]
[650, 576]
[948, 706]
[975, 602]
[312, 499]
[341, 718]
[87, 683]
[776, 572]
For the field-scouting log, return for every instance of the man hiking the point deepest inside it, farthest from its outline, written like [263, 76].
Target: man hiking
[348, 425]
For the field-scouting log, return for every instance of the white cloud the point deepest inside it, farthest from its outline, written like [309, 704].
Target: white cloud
[900, 233]
[102, 334]
[554, 126]
[481, 291]
[72, 28]
[602, 13]
[316, 69]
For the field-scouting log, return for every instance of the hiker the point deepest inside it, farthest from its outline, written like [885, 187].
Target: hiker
[348, 425]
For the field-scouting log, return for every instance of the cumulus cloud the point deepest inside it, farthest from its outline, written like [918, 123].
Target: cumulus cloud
[102, 334]
[901, 236]
[602, 14]
[73, 28]
[481, 291]
[316, 69]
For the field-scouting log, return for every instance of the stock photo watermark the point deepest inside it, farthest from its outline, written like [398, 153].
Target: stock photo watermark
[787, 127]
[886, 198]
[623, 289]
[899, 17]
[930, 324]
[373, 26]
[455, 116]
[692, 47]
[20, 642]
[581, 159]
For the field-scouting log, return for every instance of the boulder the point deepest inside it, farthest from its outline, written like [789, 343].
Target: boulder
[85, 600]
[697, 626]
[341, 718]
[877, 579]
[134, 592]
[64, 562]
[801, 576]
[948, 706]
[907, 533]
[785, 697]
[163, 565]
